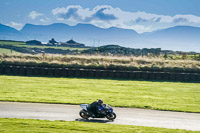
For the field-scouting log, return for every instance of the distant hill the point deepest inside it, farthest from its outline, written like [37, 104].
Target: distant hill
[85, 33]
[8, 31]
[185, 38]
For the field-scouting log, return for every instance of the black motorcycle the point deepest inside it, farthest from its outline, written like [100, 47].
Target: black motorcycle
[103, 111]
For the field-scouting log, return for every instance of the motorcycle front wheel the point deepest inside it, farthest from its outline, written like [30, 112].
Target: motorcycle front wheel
[84, 114]
[111, 116]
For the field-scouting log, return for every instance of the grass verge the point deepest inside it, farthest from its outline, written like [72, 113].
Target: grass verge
[173, 96]
[28, 125]
[7, 51]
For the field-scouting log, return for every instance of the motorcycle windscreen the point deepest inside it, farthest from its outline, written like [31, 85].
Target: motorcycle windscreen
[84, 106]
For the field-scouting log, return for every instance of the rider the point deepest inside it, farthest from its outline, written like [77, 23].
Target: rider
[94, 107]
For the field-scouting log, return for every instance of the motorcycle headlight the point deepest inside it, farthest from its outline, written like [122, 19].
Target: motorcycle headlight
[110, 110]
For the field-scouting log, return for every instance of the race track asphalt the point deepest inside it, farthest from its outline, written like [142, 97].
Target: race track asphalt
[125, 116]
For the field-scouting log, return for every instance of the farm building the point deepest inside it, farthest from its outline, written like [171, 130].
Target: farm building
[72, 43]
[52, 42]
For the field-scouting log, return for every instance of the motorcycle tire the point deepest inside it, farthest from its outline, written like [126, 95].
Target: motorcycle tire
[111, 116]
[84, 114]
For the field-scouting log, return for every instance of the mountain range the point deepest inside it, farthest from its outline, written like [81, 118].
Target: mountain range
[179, 38]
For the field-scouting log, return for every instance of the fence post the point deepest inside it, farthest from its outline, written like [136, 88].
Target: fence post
[43, 71]
[91, 73]
[185, 77]
[144, 75]
[193, 77]
[64, 72]
[58, 72]
[179, 76]
[132, 75]
[22, 71]
[166, 76]
[36, 71]
[118, 75]
[16, 70]
[8, 70]
[50, 72]
[172, 76]
[124, 75]
[1, 70]
[29, 71]
[111, 74]
[104, 73]
[152, 76]
[77, 73]
[198, 77]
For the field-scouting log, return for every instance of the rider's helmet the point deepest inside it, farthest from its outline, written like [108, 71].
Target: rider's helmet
[100, 102]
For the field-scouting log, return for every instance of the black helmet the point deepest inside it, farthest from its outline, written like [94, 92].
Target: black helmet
[100, 101]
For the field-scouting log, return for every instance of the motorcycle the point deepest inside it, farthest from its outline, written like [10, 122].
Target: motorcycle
[103, 111]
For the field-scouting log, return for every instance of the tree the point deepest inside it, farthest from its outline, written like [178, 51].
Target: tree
[165, 56]
[184, 56]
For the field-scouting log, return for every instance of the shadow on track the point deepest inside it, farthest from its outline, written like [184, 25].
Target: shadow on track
[93, 120]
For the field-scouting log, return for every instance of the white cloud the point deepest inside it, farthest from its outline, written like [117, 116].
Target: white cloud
[77, 13]
[34, 14]
[15, 25]
[44, 20]
[106, 16]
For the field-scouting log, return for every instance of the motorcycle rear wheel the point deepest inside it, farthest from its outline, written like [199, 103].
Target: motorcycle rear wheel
[84, 114]
[111, 116]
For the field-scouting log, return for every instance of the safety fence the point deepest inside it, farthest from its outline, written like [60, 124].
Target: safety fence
[92, 73]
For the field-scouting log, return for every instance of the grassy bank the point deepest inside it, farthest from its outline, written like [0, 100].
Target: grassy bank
[22, 125]
[103, 62]
[7, 51]
[122, 93]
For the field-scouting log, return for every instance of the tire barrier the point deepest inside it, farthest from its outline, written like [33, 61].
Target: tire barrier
[91, 73]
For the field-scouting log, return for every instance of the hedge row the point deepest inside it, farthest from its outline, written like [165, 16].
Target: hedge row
[91, 73]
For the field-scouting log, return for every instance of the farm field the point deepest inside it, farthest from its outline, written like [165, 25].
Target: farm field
[33, 126]
[7, 51]
[174, 96]
[23, 44]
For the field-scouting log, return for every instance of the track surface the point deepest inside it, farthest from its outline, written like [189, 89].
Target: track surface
[125, 116]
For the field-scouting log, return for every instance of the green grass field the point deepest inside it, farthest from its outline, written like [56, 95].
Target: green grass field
[121, 93]
[7, 51]
[12, 42]
[44, 126]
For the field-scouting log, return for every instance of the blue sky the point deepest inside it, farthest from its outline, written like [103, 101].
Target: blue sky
[139, 15]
